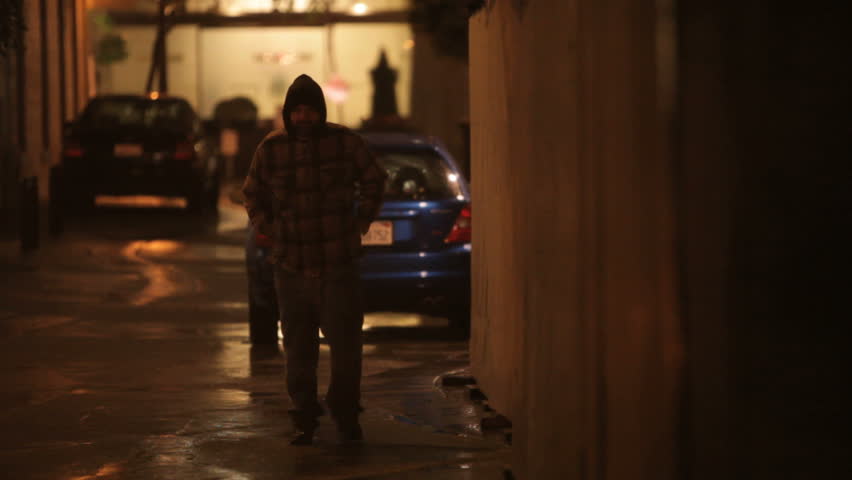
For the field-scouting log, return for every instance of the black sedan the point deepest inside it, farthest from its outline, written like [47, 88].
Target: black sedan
[138, 145]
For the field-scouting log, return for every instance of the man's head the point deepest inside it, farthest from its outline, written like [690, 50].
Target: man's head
[304, 107]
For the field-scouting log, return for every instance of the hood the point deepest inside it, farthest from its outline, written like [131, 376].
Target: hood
[304, 91]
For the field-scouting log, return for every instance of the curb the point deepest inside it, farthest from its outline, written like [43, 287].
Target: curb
[493, 422]
[462, 378]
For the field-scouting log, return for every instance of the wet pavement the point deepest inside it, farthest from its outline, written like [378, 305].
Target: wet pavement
[124, 354]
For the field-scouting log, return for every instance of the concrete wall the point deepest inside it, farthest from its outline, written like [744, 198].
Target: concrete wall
[131, 74]
[764, 178]
[575, 328]
[440, 99]
[41, 87]
[44, 80]
[659, 228]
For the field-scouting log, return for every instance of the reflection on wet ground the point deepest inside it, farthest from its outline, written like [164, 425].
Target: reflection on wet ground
[163, 280]
[139, 201]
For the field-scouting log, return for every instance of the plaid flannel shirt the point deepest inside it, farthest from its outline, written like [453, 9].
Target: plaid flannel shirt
[311, 195]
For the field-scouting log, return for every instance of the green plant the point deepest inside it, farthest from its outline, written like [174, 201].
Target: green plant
[12, 26]
[111, 49]
[110, 46]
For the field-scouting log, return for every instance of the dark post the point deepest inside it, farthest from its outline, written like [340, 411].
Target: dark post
[55, 212]
[149, 84]
[29, 214]
[158, 54]
[161, 44]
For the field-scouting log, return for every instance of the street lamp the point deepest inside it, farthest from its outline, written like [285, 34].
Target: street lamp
[360, 8]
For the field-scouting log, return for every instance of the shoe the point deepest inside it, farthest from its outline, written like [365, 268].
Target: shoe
[303, 439]
[351, 435]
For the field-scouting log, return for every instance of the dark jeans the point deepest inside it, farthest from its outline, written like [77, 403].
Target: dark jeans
[331, 302]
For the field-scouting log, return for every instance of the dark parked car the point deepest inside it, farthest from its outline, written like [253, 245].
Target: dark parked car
[417, 252]
[136, 145]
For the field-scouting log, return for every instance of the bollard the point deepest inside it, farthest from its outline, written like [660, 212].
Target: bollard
[56, 207]
[29, 214]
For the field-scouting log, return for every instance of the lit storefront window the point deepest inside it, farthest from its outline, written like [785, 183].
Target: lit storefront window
[209, 66]
[239, 7]
[242, 7]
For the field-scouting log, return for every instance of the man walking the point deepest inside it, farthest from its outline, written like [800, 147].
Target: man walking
[315, 188]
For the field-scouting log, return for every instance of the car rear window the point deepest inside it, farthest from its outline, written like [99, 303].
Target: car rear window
[137, 113]
[417, 175]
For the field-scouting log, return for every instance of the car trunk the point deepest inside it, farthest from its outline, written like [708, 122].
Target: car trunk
[418, 225]
[128, 143]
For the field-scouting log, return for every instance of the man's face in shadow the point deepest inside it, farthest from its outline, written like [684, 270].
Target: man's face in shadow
[304, 117]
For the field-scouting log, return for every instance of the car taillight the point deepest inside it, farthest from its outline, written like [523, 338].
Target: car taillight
[184, 151]
[461, 229]
[263, 241]
[73, 151]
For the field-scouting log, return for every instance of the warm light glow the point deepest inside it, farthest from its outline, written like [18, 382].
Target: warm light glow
[162, 247]
[238, 7]
[232, 10]
[139, 201]
[359, 8]
[161, 281]
[408, 44]
[453, 177]
[300, 5]
[154, 95]
[108, 470]
[375, 320]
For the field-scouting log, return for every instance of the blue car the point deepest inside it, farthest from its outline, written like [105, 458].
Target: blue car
[417, 252]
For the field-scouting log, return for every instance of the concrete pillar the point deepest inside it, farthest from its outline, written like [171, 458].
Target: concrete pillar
[575, 329]
[659, 228]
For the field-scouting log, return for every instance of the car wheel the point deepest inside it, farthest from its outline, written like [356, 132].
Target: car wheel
[195, 199]
[213, 197]
[263, 322]
[80, 203]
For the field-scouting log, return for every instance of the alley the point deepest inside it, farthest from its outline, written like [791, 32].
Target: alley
[125, 354]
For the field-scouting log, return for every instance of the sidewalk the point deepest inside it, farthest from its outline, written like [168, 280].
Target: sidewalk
[97, 386]
[13, 259]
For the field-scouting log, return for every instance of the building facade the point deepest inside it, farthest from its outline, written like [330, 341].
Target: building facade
[218, 50]
[42, 85]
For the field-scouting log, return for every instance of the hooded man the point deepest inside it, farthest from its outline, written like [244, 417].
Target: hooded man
[301, 191]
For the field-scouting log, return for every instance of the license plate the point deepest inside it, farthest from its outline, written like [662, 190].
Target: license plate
[380, 233]
[127, 150]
